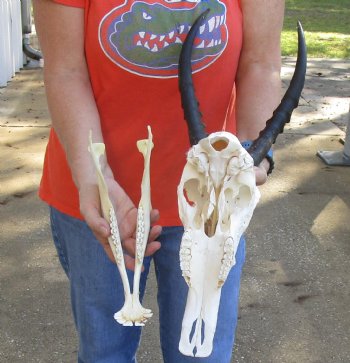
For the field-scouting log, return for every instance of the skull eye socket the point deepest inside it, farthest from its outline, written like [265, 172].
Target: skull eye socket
[190, 202]
[196, 199]
[238, 199]
[243, 197]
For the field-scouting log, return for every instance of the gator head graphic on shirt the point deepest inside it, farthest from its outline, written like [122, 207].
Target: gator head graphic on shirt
[146, 38]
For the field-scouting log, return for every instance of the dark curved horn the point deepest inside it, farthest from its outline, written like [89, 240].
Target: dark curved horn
[274, 126]
[193, 117]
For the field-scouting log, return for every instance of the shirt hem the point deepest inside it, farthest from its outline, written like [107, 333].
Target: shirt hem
[164, 222]
[60, 206]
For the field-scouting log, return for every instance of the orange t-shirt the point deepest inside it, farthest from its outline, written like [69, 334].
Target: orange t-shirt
[132, 51]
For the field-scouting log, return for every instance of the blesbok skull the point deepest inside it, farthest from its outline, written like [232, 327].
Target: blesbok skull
[217, 195]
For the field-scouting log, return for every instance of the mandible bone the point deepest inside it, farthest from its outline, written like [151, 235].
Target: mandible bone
[132, 312]
[217, 195]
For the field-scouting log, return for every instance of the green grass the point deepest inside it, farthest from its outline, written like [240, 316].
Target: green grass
[326, 24]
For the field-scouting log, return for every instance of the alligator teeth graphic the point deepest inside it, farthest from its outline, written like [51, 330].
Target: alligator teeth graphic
[210, 33]
[201, 45]
[211, 24]
[154, 53]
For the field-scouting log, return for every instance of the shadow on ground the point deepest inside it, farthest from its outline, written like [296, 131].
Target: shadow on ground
[295, 289]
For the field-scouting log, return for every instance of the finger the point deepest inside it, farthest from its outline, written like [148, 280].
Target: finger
[154, 215]
[130, 243]
[154, 233]
[130, 263]
[127, 224]
[90, 209]
[260, 175]
[152, 248]
[129, 246]
[97, 223]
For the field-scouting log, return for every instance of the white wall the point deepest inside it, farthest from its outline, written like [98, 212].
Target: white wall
[11, 55]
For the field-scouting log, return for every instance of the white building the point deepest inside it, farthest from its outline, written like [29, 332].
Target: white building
[11, 54]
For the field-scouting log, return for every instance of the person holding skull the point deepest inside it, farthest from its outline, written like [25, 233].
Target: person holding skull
[111, 67]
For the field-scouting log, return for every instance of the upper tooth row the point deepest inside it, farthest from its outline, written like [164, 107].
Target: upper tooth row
[213, 23]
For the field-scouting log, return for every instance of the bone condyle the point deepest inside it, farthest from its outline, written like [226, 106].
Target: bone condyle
[132, 313]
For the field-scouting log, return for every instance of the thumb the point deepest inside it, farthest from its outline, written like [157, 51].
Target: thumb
[97, 223]
[91, 211]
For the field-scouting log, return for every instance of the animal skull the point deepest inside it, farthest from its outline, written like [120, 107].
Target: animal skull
[132, 312]
[217, 196]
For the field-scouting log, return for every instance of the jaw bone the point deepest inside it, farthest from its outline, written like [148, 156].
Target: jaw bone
[217, 196]
[132, 312]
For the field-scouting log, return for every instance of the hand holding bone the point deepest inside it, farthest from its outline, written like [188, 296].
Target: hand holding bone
[261, 172]
[132, 312]
[126, 214]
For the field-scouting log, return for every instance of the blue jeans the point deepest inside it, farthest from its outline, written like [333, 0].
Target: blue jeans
[97, 293]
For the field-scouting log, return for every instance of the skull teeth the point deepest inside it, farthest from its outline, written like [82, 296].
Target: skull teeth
[213, 180]
[115, 236]
[228, 260]
[140, 232]
[185, 259]
[185, 267]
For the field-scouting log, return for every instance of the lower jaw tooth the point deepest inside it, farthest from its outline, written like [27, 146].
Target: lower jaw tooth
[201, 45]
